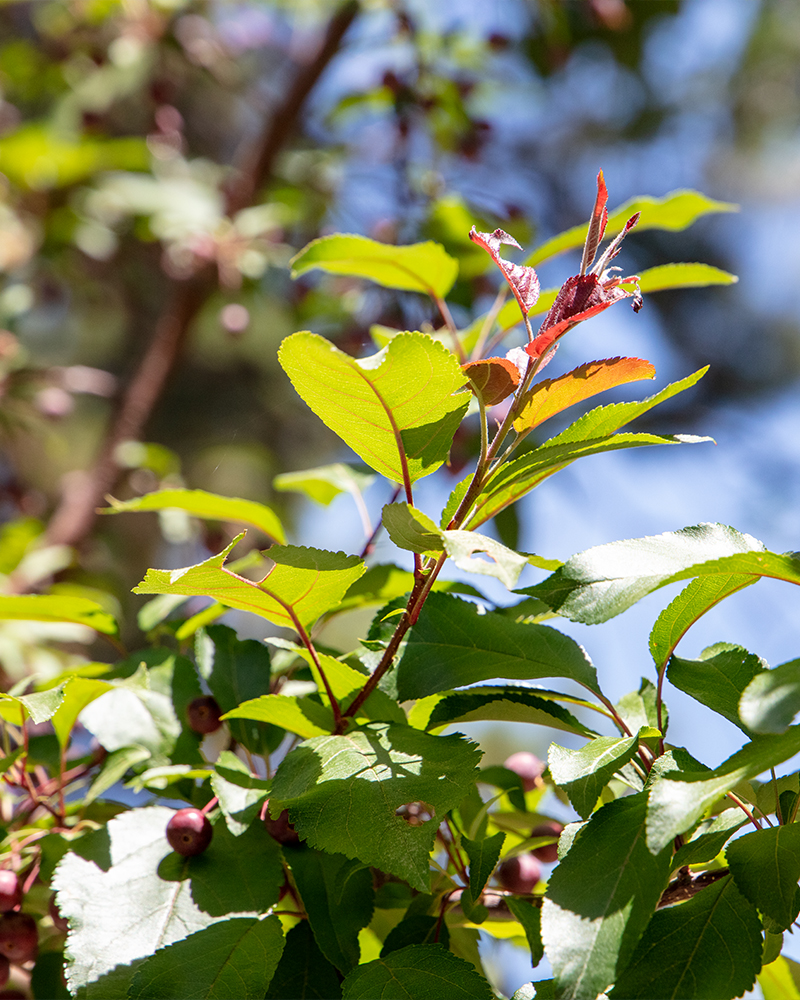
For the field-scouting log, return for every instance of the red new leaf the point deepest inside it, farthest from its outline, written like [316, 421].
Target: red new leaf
[521, 279]
[493, 379]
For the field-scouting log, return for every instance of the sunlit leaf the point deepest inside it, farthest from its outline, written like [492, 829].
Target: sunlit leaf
[303, 716]
[493, 379]
[324, 483]
[584, 773]
[57, 608]
[771, 699]
[504, 704]
[717, 679]
[765, 865]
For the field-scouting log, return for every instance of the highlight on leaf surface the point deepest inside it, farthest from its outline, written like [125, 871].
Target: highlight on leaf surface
[493, 379]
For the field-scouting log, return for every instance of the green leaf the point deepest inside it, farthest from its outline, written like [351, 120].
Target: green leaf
[416, 928]
[52, 608]
[303, 972]
[718, 678]
[600, 898]
[78, 693]
[483, 857]
[452, 645]
[765, 865]
[506, 704]
[237, 957]
[708, 947]
[343, 792]
[114, 768]
[772, 699]
[709, 838]
[592, 434]
[240, 794]
[639, 708]
[419, 972]
[780, 980]
[346, 682]
[418, 267]
[301, 715]
[606, 580]
[677, 803]
[324, 483]
[303, 584]
[699, 596]
[502, 563]
[338, 897]
[396, 410]
[684, 275]
[674, 211]
[410, 529]
[40, 706]
[584, 773]
[210, 506]
[530, 916]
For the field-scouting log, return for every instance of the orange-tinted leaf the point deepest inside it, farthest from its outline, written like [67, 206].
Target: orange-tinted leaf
[493, 378]
[551, 396]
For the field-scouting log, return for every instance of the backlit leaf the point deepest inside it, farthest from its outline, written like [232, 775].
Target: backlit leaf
[57, 608]
[493, 379]
[505, 704]
[303, 716]
[771, 699]
[410, 529]
[324, 483]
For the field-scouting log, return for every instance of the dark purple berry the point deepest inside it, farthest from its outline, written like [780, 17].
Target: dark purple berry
[189, 832]
[10, 890]
[281, 829]
[528, 766]
[204, 714]
[19, 937]
[548, 853]
[520, 874]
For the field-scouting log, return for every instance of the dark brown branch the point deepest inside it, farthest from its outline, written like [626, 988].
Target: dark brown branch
[84, 492]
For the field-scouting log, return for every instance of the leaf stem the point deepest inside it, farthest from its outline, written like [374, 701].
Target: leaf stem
[306, 640]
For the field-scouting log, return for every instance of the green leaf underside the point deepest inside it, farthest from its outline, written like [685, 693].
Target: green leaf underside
[606, 580]
[505, 704]
[57, 608]
[410, 529]
[303, 716]
[765, 865]
[780, 980]
[303, 972]
[452, 646]
[234, 958]
[674, 211]
[122, 906]
[396, 410]
[677, 803]
[600, 898]
[331, 784]
[708, 948]
[584, 773]
[699, 596]
[338, 897]
[592, 434]
[304, 583]
[418, 267]
[210, 506]
[40, 706]
[418, 972]
[772, 699]
[717, 679]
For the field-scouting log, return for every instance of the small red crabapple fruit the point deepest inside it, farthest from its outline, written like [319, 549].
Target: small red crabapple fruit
[19, 937]
[549, 852]
[58, 921]
[10, 890]
[204, 714]
[5, 970]
[528, 766]
[519, 874]
[189, 832]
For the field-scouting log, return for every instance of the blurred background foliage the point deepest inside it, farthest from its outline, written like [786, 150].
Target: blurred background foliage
[161, 161]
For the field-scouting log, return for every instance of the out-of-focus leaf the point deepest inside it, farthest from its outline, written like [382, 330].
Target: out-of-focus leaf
[420, 970]
[78, 693]
[771, 699]
[418, 267]
[780, 980]
[397, 409]
[40, 706]
[210, 506]
[61, 608]
[324, 483]
[683, 275]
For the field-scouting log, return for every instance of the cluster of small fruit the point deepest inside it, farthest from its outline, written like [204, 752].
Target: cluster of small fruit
[19, 932]
[521, 873]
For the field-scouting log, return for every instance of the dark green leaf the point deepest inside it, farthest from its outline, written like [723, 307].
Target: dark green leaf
[600, 898]
[303, 972]
[772, 699]
[506, 704]
[483, 857]
[717, 678]
[343, 792]
[339, 899]
[530, 916]
[709, 838]
[452, 645]
[416, 928]
[47, 982]
[708, 948]
[235, 957]
[418, 972]
[765, 865]
[508, 780]
[584, 773]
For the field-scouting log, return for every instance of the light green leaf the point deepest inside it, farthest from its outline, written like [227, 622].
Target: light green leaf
[699, 596]
[40, 706]
[114, 768]
[717, 679]
[771, 699]
[396, 409]
[210, 506]
[342, 793]
[452, 646]
[674, 211]
[338, 897]
[606, 580]
[78, 693]
[504, 704]
[677, 803]
[666, 276]
[303, 584]
[592, 434]
[765, 865]
[346, 682]
[584, 773]
[418, 972]
[418, 267]
[639, 708]
[503, 563]
[708, 947]
[52, 608]
[324, 483]
[303, 716]
[237, 957]
[240, 794]
[410, 529]
[780, 980]
[601, 897]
